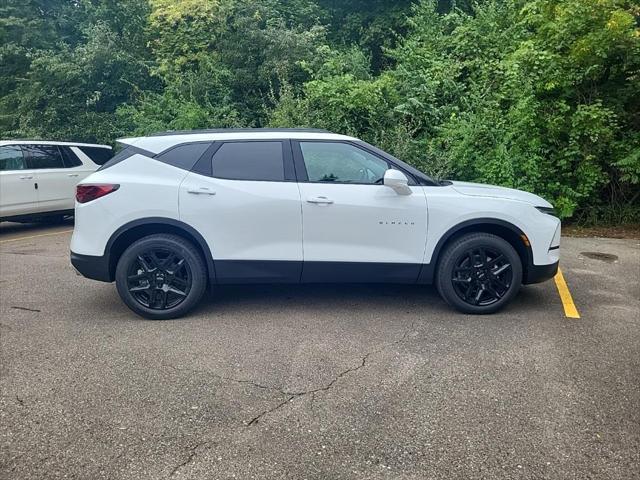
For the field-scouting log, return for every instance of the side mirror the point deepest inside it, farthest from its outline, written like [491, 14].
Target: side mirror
[398, 181]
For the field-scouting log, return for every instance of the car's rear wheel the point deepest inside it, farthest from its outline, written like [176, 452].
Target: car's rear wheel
[479, 273]
[161, 276]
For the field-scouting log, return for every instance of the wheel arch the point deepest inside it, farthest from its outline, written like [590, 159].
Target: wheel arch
[137, 229]
[501, 228]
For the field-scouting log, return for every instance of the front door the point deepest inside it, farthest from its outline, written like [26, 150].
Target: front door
[246, 204]
[355, 228]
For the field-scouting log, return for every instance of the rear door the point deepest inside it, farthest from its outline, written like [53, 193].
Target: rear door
[57, 172]
[243, 198]
[18, 195]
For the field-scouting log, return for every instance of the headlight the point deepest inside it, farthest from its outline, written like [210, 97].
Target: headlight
[548, 210]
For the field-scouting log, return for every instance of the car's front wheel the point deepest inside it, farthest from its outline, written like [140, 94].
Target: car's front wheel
[161, 276]
[479, 273]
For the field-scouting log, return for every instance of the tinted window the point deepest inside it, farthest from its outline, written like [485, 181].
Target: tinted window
[11, 158]
[249, 161]
[43, 156]
[69, 158]
[120, 156]
[341, 163]
[98, 155]
[184, 156]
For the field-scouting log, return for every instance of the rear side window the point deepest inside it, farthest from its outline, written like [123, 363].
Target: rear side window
[43, 156]
[120, 156]
[249, 161]
[11, 158]
[184, 156]
[98, 155]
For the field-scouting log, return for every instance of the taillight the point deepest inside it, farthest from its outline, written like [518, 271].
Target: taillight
[88, 192]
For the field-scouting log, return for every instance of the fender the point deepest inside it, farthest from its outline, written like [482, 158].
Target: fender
[428, 270]
[172, 223]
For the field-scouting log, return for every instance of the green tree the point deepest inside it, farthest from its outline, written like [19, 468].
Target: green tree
[535, 94]
[223, 63]
[80, 61]
[540, 95]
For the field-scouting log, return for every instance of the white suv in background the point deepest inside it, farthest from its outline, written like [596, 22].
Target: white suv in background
[38, 178]
[174, 213]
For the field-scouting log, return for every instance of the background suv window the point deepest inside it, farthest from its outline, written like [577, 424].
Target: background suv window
[11, 158]
[69, 158]
[98, 155]
[341, 163]
[249, 161]
[43, 156]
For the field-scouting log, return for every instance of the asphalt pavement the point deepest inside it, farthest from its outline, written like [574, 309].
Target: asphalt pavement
[318, 381]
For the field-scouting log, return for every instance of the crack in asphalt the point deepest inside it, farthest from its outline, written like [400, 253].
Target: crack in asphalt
[328, 386]
[297, 394]
[273, 409]
[26, 309]
[193, 453]
[222, 377]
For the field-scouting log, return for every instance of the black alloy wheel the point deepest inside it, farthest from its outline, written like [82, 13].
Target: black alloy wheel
[479, 273]
[482, 276]
[159, 278]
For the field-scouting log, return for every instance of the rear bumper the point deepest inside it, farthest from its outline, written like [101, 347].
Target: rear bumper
[540, 273]
[95, 268]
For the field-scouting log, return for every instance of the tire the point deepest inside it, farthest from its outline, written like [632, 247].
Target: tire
[479, 273]
[161, 276]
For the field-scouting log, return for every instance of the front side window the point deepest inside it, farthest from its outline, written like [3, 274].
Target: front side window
[249, 161]
[11, 158]
[328, 162]
[43, 156]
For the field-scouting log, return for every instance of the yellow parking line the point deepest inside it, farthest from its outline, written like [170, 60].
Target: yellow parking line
[570, 309]
[35, 236]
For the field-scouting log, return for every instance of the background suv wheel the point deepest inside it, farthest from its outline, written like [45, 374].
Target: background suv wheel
[161, 276]
[479, 273]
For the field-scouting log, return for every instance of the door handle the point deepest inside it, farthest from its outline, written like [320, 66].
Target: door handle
[26, 177]
[320, 200]
[201, 191]
[72, 174]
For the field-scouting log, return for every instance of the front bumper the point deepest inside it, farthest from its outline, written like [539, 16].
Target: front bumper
[540, 273]
[95, 268]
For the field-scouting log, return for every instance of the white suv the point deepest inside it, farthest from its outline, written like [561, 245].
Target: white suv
[174, 213]
[38, 178]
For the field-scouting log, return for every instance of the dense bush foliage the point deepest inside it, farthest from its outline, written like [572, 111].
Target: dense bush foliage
[542, 95]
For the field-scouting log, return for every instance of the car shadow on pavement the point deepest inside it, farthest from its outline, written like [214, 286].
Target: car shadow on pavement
[13, 229]
[325, 298]
[315, 295]
[329, 299]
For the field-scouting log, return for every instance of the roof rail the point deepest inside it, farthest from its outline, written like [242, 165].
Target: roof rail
[36, 140]
[236, 130]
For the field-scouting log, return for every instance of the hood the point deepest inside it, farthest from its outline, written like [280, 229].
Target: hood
[482, 190]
